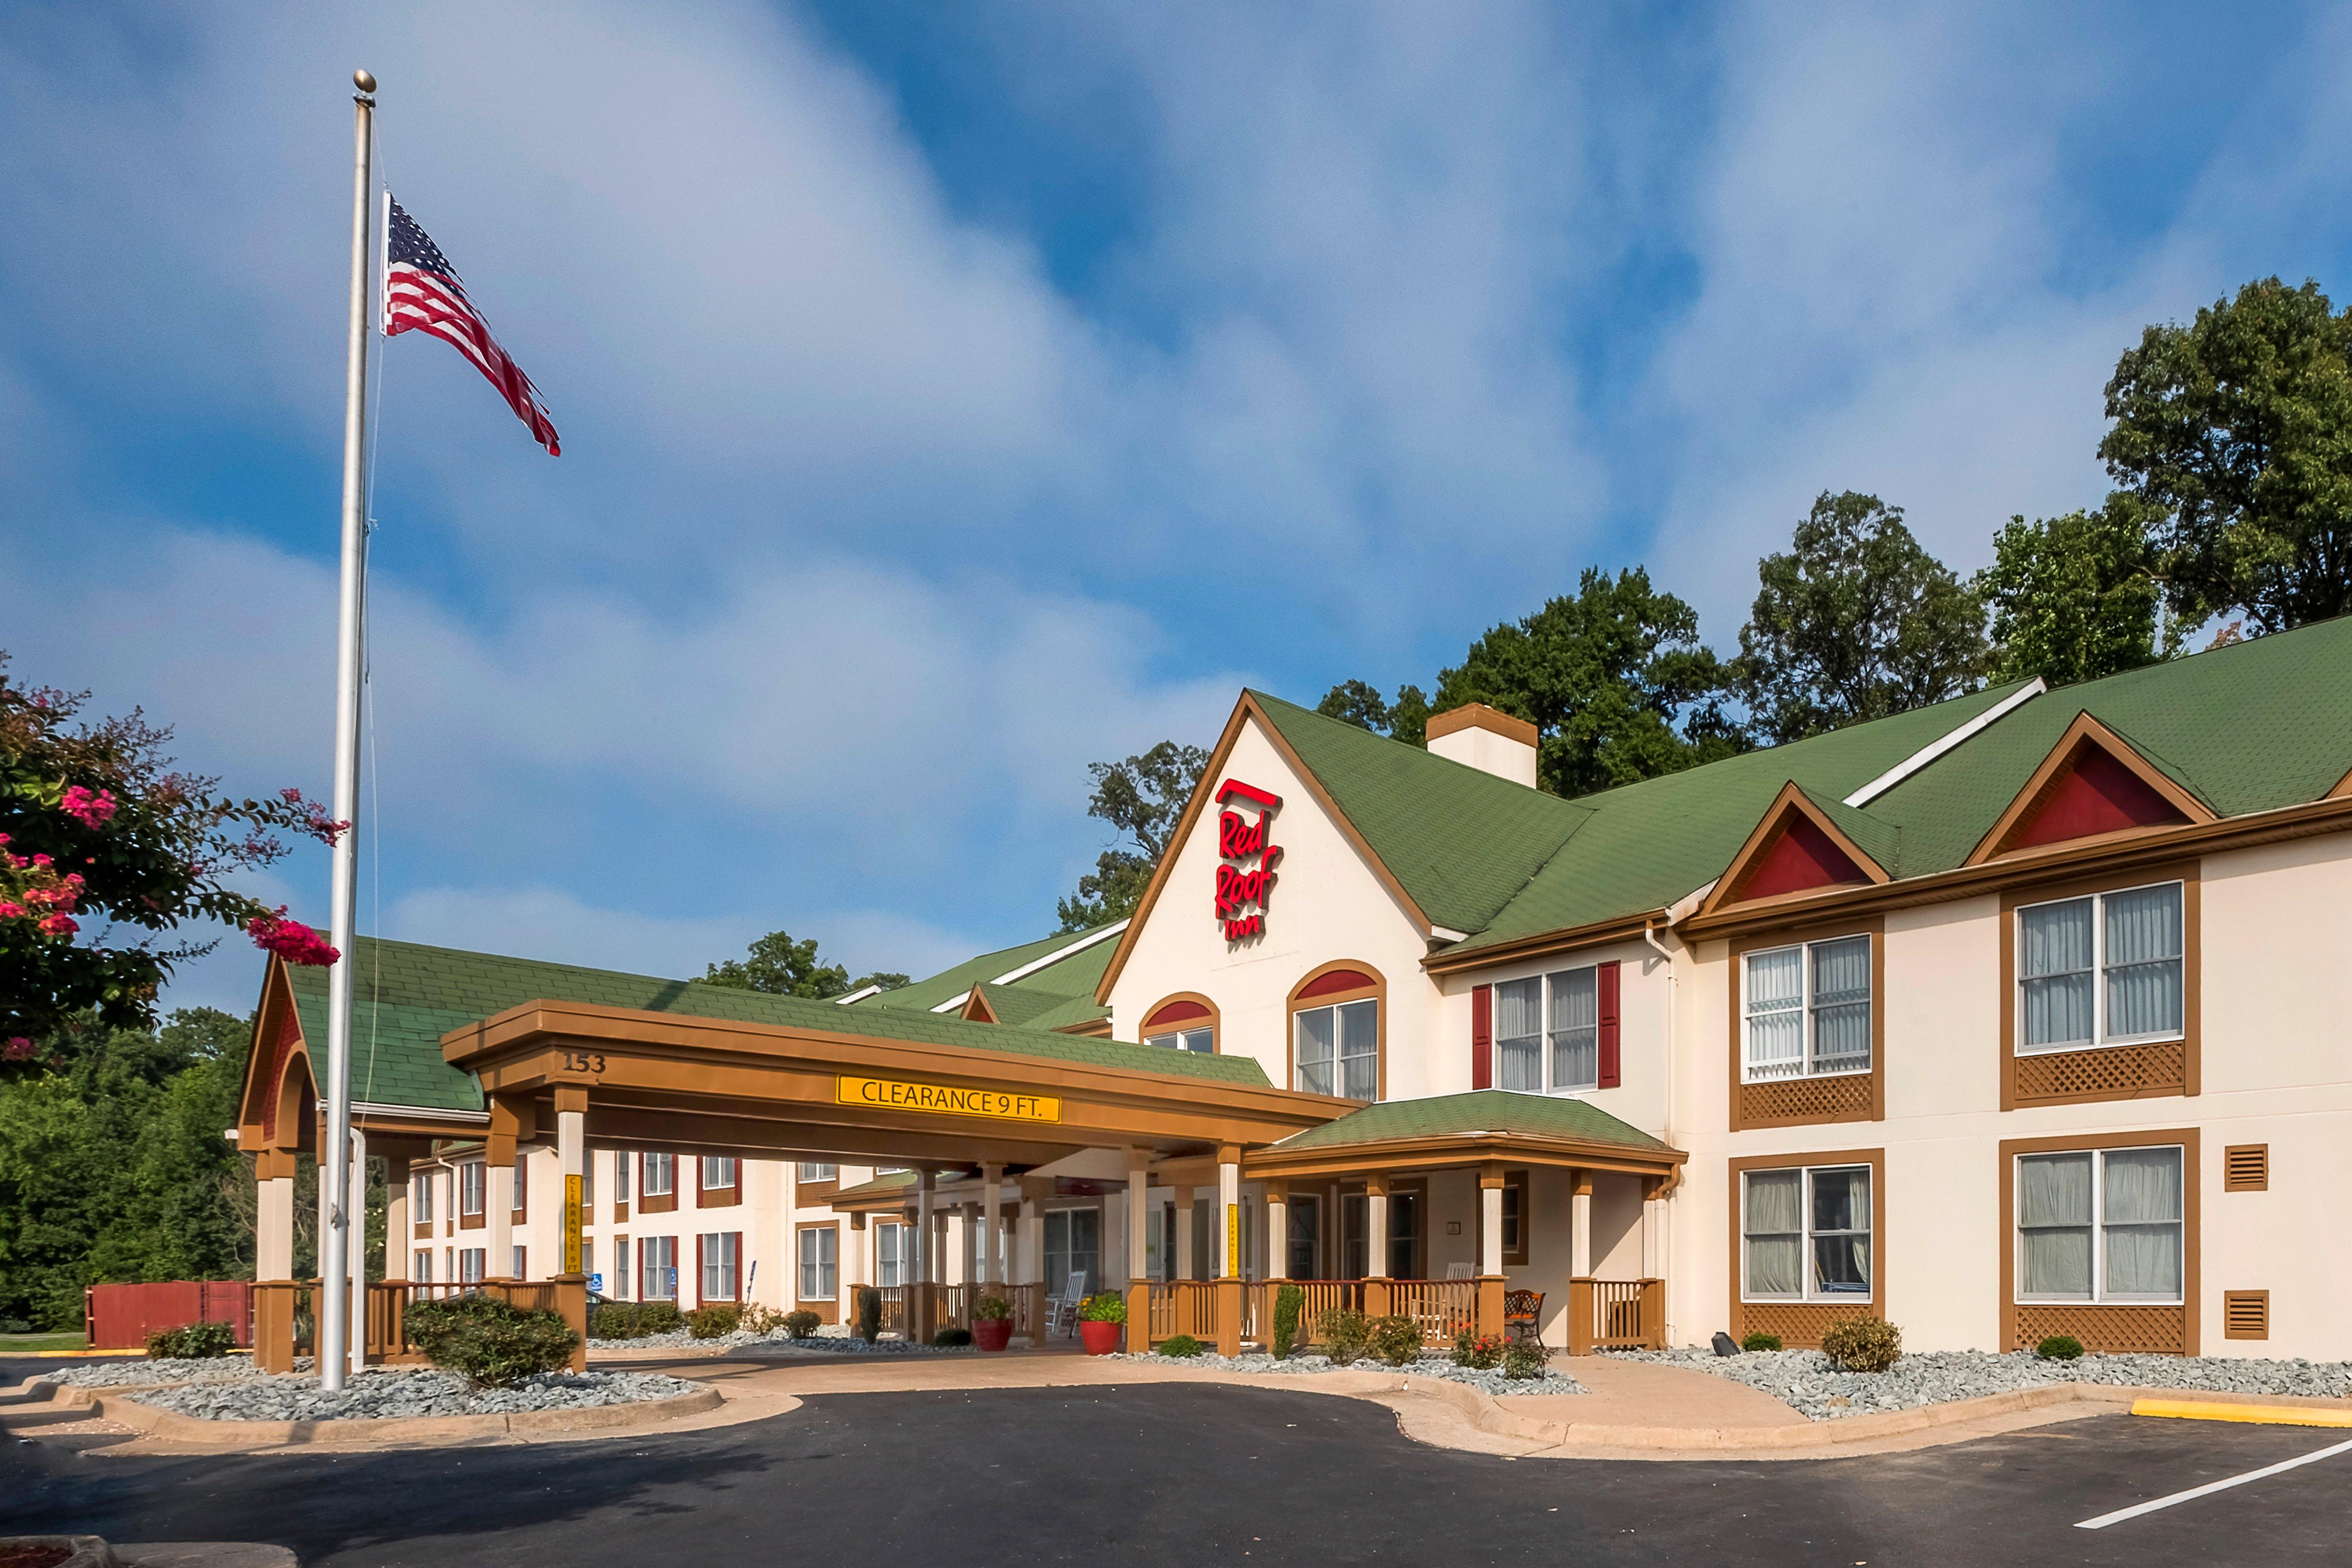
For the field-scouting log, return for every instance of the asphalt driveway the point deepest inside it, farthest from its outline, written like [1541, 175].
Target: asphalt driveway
[1191, 1473]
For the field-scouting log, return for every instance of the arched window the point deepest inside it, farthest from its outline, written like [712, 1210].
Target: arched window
[1184, 1022]
[1339, 1032]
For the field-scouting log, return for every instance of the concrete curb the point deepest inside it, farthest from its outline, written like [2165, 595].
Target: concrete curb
[2259, 1414]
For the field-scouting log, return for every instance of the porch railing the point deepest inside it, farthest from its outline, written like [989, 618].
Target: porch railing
[1616, 1314]
[285, 1315]
[1184, 1306]
[1445, 1308]
[894, 1309]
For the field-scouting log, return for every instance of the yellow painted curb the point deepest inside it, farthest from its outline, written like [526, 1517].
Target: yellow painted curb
[2262, 1415]
[69, 1355]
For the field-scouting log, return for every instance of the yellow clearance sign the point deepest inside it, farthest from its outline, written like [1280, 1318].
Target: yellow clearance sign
[943, 1100]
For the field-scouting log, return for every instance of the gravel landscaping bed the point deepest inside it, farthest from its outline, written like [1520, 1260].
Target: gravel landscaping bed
[147, 1374]
[1805, 1381]
[393, 1392]
[834, 1344]
[1492, 1382]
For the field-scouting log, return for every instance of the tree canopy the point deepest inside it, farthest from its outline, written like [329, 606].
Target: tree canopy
[2074, 597]
[1360, 704]
[780, 966]
[2235, 434]
[1143, 796]
[1854, 621]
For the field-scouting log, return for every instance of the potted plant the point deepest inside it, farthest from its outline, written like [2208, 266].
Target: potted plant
[991, 1323]
[1102, 1322]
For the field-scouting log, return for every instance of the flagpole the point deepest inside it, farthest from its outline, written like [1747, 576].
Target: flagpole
[343, 1264]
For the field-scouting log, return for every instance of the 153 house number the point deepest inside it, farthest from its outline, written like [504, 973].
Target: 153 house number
[582, 1061]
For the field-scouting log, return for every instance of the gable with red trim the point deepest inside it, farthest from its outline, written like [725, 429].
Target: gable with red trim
[2092, 785]
[1795, 848]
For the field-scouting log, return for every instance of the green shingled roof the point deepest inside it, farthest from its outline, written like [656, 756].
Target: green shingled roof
[1489, 1110]
[1073, 975]
[408, 995]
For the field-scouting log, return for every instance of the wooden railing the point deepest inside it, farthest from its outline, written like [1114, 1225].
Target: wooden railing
[1445, 1308]
[894, 1309]
[1616, 1314]
[1184, 1306]
[1322, 1296]
[285, 1315]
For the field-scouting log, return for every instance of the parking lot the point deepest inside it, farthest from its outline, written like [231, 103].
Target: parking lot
[1168, 1473]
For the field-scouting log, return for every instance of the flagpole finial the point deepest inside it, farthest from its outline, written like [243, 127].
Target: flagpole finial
[364, 80]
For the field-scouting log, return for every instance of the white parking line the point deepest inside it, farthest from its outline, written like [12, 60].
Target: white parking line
[2121, 1514]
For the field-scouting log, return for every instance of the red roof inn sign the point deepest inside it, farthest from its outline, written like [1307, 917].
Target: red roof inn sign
[1240, 884]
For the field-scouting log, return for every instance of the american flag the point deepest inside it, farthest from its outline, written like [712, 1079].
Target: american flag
[421, 291]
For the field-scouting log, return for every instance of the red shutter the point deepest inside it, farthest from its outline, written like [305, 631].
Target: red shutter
[739, 1251]
[1482, 1037]
[1609, 1030]
[697, 1272]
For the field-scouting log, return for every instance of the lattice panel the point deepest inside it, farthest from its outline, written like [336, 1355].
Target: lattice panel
[1845, 1098]
[1800, 1324]
[2116, 1072]
[2120, 1331]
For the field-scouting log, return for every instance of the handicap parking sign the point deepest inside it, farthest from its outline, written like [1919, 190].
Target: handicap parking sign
[596, 1283]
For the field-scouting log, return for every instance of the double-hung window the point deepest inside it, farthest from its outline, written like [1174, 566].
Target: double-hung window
[820, 1262]
[420, 1197]
[718, 1174]
[889, 1268]
[421, 1267]
[657, 1269]
[621, 1161]
[1807, 1010]
[1805, 1234]
[469, 1265]
[811, 1171]
[1548, 1031]
[470, 1179]
[719, 1266]
[621, 1269]
[2100, 1225]
[661, 1175]
[1339, 1049]
[2100, 971]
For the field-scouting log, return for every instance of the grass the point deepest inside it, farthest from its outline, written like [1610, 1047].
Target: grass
[22, 1343]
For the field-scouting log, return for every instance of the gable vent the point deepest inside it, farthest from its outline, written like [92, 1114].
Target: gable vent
[2245, 1315]
[2246, 1168]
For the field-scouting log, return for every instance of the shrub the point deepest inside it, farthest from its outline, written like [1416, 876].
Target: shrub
[1395, 1340]
[1182, 1345]
[659, 1318]
[802, 1324]
[1344, 1334]
[2059, 1347]
[869, 1313]
[490, 1342]
[1760, 1340]
[1109, 1306]
[197, 1342]
[1480, 1353]
[710, 1322]
[614, 1320]
[1862, 1344]
[759, 1318]
[1524, 1360]
[1289, 1303]
[14, 1326]
[947, 1339]
[992, 1309]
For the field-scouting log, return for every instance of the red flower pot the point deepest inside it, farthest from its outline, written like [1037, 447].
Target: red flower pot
[1101, 1339]
[992, 1333]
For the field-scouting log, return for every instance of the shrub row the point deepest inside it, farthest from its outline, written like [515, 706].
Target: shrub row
[197, 1342]
[633, 1319]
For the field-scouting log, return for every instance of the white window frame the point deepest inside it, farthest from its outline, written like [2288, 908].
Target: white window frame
[814, 1171]
[2099, 1296]
[722, 1267]
[1202, 1040]
[471, 1263]
[473, 1189]
[1546, 1051]
[422, 1263]
[1338, 1037]
[890, 1261]
[660, 1269]
[667, 1166]
[2100, 1040]
[622, 1161]
[734, 1173]
[826, 1263]
[1806, 1233]
[622, 1248]
[518, 1255]
[420, 1198]
[1807, 1009]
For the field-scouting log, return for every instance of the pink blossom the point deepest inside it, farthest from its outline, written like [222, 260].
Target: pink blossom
[59, 925]
[290, 939]
[40, 859]
[94, 809]
[10, 909]
[18, 1049]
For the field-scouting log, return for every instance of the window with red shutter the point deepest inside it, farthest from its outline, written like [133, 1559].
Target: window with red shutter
[1608, 1075]
[1482, 1037]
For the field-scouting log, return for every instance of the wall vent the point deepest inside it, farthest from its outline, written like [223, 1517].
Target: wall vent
[2245, 1315]
[2246, 1168]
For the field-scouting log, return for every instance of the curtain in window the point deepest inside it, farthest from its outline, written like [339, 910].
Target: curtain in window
[2056, 968]
[1359, 1050]
[1519, 1036]
[2142, 1189]
[1842, 1004]
[1575, 1029]
[1776, 1018]
[1775, 1232]
[1842, 1232]
[1314, 1043]
[2053, 1220]
[886, 1254]
[2143, 934]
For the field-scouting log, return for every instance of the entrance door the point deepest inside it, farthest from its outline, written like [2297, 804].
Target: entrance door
[1306, 1237]
[1355, 1254]
[1073, 1242]
[1404, 1234]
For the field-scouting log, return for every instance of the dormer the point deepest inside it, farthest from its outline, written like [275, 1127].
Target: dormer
[2092, 784]
[1796, 848]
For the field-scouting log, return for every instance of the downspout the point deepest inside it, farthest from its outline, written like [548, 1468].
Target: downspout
[1666, 1230]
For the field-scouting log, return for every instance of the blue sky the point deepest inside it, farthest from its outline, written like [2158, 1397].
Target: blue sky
[952, 395]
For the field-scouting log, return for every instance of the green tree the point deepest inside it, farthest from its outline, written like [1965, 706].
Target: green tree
[1143, 796]
[2074, 597]
[782, 967]
[1854, 621]
[95, 828]
[2235, 433]
[1612, 676]
[1359, 703]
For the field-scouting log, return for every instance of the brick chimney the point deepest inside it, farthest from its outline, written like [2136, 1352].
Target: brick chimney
[1487, 738]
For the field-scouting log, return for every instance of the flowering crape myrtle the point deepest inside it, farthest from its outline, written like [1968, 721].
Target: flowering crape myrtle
[105, 854]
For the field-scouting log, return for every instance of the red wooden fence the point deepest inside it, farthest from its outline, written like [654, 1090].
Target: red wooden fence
[122, 1316]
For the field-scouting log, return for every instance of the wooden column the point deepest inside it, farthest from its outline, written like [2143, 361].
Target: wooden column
[1490, 1250]
[1579, 1209]
[1139, 1185]
[992, 1203]
[1277, 1231]
[398, 1233]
